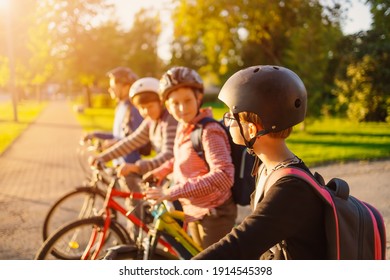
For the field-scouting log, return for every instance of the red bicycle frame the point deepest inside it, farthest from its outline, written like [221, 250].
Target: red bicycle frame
[110, 204]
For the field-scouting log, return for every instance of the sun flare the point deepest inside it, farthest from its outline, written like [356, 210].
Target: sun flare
[4, 4]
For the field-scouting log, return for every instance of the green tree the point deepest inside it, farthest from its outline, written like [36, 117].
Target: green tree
[71, 24]
[141, 43]
[354, 92]
[229, 35]
[41, 63]
[205, 35]
[364, 72]
[377, 45]
[86, 41]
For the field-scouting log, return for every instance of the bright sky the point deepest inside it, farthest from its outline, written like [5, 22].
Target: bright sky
[359, 18]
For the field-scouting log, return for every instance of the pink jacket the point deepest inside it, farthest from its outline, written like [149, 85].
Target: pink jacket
[199, 189]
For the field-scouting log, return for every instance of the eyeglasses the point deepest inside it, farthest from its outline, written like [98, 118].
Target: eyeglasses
[228, 118]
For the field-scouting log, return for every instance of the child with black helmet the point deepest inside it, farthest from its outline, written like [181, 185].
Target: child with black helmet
[265, 102]
[203, 188]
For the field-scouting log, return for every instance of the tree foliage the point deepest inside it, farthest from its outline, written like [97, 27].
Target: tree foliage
[229, 35]
[364, 79]
[141, 44]
[75, 43]
[354, 92]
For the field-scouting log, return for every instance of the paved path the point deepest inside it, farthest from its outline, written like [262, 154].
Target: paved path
[39, 166]
[42, 164]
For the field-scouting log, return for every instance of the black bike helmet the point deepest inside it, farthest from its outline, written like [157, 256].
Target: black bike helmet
[276, 94]
[177, 77]
[123, 75]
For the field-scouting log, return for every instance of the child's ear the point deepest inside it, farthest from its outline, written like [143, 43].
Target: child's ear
[199, 98]
[252, 129]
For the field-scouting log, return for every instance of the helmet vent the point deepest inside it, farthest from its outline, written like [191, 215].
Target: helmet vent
[297, 103]
[276, 68]
[256, 70]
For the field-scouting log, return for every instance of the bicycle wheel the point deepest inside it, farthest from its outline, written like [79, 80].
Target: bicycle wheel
[82, 202]
[70, 241]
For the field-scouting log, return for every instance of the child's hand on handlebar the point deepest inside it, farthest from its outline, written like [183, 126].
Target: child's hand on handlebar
[157, 194]
[94, 161]
[149, 179]
[126, 168]
[87, 137]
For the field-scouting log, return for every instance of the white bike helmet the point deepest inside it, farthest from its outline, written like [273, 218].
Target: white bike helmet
[147, 84]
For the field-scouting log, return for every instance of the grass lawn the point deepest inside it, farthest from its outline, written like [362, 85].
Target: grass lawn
[96, 119]
[340, 140]
[335, 140]
[322, 141]
[9, 130]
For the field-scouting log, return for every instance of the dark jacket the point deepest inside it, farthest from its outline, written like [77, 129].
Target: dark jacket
[290, 211]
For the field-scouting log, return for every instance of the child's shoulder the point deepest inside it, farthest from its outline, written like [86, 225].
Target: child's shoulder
[212, 127]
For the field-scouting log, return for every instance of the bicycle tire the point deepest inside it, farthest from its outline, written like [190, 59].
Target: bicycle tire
[82, 202]
[70, 241]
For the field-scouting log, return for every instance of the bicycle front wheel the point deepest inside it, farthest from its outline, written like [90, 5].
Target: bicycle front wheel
[82, 202]
[70, 241]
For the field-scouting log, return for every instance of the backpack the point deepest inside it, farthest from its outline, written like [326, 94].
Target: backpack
[355, 230]
[244, 182]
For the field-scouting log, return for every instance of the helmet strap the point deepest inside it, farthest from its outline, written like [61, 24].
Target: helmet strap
[249, 144]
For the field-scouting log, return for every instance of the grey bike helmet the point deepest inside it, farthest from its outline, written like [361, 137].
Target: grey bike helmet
[177, 77]
[276, 94]
[123, 75]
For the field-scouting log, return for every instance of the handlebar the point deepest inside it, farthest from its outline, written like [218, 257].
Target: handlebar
[92, 145]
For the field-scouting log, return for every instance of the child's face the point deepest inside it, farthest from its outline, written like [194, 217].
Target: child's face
[234, 129]
[183, 104]
[151, 110]
[117, 90]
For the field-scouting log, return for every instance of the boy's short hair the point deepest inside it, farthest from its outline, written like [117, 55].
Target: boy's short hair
[145, 97]
[122, 75]
[255, 119]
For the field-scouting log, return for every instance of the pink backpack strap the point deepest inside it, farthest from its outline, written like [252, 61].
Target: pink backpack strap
[300, 174]
[308, 178]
